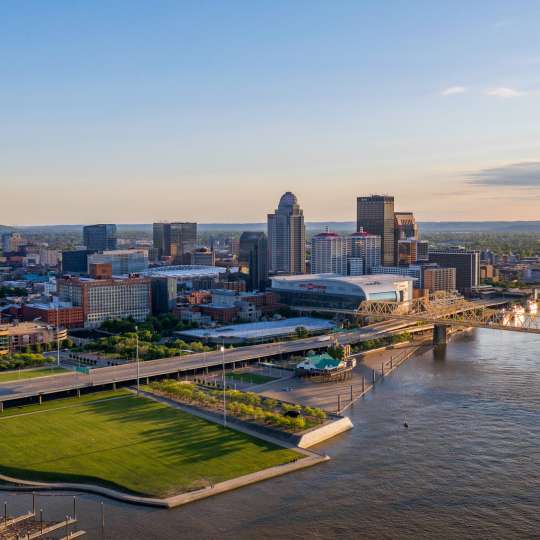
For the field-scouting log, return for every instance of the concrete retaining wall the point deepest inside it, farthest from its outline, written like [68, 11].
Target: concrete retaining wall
[325, 432]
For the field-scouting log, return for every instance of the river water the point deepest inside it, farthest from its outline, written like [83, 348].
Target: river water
[468, 466]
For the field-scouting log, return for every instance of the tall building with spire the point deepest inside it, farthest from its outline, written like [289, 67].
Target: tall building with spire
[287, 237]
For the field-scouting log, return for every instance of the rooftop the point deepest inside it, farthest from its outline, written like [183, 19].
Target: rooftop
[368, 279]
[261, 330]
[184, 271]
[322, 361]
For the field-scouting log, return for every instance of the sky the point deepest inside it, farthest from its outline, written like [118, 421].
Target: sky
[134, 112]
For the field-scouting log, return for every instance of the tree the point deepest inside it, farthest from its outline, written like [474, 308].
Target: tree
[301, 332]
[337, 352]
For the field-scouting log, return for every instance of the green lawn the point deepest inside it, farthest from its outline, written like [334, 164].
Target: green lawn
[133, 444]
[253, 378]
[12, 375]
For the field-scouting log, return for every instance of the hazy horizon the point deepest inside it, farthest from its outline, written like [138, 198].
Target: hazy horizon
[134, 113]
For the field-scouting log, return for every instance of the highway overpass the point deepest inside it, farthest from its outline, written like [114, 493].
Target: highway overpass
[180, 366]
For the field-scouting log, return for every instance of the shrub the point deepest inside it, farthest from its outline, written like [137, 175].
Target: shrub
[297, 423]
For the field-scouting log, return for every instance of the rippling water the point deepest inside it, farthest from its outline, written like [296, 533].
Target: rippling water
[467, 467]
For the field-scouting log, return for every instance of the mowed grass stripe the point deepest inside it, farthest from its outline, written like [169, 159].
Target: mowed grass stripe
[133, 443]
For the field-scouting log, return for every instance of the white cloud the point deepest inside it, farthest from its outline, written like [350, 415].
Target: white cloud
[503, 92]
[452, 90]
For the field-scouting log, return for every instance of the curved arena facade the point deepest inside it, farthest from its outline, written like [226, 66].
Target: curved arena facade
[341, 292]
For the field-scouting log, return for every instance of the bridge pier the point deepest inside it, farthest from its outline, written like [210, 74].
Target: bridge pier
[441, 334]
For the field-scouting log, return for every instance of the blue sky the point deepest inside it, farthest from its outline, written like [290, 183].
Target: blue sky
[141, 111]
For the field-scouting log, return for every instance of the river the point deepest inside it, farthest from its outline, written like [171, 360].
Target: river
[468, 466]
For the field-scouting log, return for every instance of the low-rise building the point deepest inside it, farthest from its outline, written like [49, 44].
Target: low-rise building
[58, 314]
[16, 337]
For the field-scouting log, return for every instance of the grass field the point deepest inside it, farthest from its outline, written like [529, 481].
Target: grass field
[253, 378]
[7, 376]
[133, 444]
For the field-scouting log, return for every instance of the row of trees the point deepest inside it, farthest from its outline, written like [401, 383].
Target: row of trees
[21, 360]
[377, 343]
[12, 291]
[153, 329]
[47, 347]
[245, 405]
[125, 345]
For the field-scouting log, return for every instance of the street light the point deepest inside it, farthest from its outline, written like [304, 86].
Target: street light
[137, 357]
[57, 337]
[222, 348]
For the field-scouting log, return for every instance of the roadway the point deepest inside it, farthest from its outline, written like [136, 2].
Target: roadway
[181, 365]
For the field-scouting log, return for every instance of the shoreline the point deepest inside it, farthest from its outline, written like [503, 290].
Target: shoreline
[306, 459]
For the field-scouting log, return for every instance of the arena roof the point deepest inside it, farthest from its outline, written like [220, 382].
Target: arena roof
[370, 286]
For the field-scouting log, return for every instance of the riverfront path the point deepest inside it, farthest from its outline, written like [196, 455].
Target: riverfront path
[180, 365]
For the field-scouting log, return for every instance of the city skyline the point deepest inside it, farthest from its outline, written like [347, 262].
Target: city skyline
[208, 113]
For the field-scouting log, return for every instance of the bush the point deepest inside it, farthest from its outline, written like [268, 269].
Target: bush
[297, 423]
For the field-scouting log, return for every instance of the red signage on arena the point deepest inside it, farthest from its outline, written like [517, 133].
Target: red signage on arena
[312, 286]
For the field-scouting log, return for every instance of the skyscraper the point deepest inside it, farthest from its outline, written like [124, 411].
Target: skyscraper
[100, 237]
[375, 215]
[405, 228]
[329, 253]
[364, 253]
[183, 241]
[287, 237]
[162, 240]
[254, 254]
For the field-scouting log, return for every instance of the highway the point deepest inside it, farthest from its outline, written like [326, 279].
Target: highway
[178, 365]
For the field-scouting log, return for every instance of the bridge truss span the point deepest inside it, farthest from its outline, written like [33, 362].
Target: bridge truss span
[451, 309]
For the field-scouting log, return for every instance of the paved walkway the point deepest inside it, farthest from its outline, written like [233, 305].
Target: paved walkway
[339, 395]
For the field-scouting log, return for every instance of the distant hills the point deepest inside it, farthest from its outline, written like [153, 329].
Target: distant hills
[338, 226]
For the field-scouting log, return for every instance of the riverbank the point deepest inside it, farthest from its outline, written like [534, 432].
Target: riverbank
[337, 397]
[96, 444]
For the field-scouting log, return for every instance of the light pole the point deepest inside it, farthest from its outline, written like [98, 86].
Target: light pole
[137, 357]
[57, 337]
[224, 386]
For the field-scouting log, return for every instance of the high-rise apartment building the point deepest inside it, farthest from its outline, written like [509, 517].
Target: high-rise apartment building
[254, 254]
[183, 241]
[100, 237]
[364, 253]
[329, 253]
[466, 263]
[287, 237]
[375, 215]
[161, 240]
